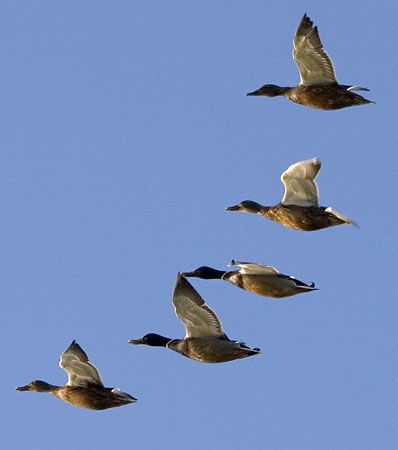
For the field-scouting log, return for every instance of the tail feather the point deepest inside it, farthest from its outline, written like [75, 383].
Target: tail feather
[249, 351]
[342, 217]
[124, 395]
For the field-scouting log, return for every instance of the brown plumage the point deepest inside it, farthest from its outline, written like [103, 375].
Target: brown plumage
[92, 397]
[299, 208]
[304, 218]
[84, 388]
[318, 86]
[211, 350]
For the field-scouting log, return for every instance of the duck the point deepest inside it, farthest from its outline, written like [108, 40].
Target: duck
[204, 341]
[255, 278]
[84, 388]
[318, 87]
[299, 208]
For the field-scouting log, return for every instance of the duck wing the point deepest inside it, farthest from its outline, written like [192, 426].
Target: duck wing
[254, 268]
[299, 181]
[75, 363]
[314, 64]
[199, 320]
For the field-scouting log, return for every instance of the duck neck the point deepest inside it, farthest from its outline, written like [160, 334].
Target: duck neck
[256, 208]
[214, 274]
[42, 386]
[156, 340]
[283, 90]
[208, 273]
[264, 211]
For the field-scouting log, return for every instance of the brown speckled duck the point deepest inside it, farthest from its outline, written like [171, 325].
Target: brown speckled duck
[299, 208]
[84, 388]
[255, 278]
[205, 340]
[318, 86]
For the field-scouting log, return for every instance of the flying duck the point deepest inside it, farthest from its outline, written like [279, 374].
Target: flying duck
[299, 208]
[84, 388]
[318, 86]
[205, 340]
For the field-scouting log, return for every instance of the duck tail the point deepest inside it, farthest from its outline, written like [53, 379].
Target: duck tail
[253, 351]
[248, 351]
[310, 287]
[342, 217]
[123, 395]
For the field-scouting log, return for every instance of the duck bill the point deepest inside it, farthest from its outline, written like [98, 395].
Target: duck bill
[136, 341]
[233, 208]
[254, 92]
[22, 388]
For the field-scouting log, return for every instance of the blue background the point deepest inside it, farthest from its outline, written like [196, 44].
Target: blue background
[125, 133]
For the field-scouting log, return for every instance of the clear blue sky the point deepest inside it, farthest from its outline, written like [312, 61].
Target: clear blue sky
[125, 133]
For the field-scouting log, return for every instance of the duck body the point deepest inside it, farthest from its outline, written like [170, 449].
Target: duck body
[326, 97]
[208, 350]
[256, 278]
[93, 397]
[303, 218]
[275, 286]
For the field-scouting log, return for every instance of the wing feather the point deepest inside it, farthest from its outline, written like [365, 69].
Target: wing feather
[79, 370]
[254, 268]
[199, 320]
[299, 181]
[314, 64]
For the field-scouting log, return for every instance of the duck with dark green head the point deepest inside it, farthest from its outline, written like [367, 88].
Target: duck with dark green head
[299, 208]
[318, 86]
[205, 340]
[256, 278]
[84, 388]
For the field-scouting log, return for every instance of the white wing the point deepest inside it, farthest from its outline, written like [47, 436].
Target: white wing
[199, 320]
[75, 363]
[254, 269]
[314, 64]
[300, 185]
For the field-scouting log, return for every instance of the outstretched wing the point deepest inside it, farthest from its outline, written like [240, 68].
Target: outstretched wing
[314, 64]
[75, 363]
[254, 268]
[199, 320]
[299, 181]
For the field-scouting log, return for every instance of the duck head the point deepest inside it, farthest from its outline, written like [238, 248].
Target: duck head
[269, 90]
[152, 339]
[37, 386]
[247, 206]
[205, 272]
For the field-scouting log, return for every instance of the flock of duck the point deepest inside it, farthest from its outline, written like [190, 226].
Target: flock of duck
[299, 209]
